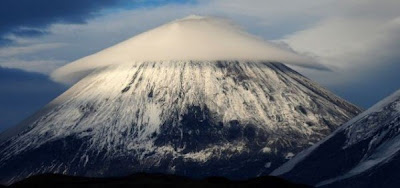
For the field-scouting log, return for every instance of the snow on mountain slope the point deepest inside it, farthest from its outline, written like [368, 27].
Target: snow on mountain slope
[366, 150]
[198, 118]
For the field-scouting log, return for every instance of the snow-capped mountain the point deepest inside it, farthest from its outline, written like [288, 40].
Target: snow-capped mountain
[228, 118]
[163, 102]
[364, 152]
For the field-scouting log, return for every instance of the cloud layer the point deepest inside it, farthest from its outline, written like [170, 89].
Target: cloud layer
[191, 38]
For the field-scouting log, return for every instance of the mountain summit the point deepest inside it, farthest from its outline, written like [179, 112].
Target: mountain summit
[232, 118]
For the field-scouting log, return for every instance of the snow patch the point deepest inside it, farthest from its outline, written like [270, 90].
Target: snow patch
[289, 155]
[266, 150]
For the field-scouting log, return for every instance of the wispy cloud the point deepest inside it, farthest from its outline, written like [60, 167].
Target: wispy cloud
[28, 49]
[40, 66]
[352, 43]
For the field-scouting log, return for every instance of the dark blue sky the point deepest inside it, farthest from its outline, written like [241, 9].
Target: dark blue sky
[39, 36]
[22, 93]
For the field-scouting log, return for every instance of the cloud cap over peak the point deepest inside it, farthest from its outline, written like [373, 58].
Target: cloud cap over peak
[191, 38]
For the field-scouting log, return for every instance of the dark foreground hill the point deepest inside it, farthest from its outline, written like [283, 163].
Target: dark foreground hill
[146, 180]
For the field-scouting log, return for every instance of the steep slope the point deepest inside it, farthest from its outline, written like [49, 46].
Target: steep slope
[236, 119]
[364, 152]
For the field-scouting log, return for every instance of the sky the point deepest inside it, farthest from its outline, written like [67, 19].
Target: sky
[359, 41]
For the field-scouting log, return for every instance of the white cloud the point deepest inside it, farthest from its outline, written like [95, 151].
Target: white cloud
[191, 38]
[83, 39]
[41, 66]
[363, 37]
[28, 49]
[339, 39]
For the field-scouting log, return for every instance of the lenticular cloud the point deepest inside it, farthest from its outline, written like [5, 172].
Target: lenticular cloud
[191, 38]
